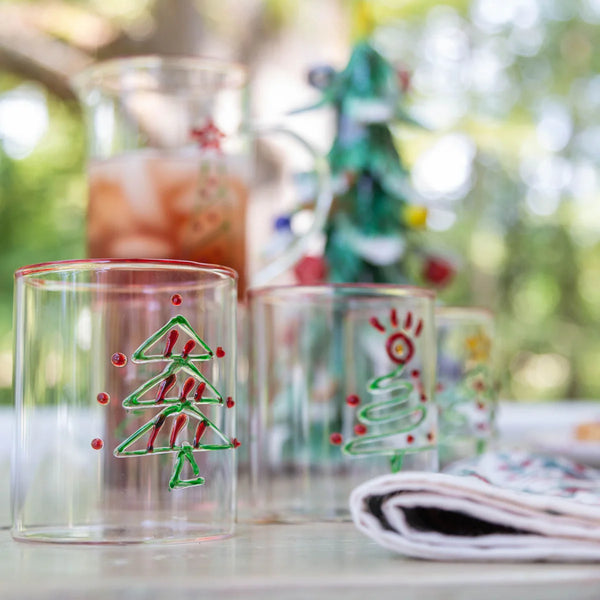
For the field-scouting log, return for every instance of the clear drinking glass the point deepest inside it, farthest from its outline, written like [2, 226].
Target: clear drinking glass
[466, 390]
[124, 391]
[170, 163]
[341, 389]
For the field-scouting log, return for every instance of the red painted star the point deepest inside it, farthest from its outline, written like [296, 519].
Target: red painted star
[208, 137]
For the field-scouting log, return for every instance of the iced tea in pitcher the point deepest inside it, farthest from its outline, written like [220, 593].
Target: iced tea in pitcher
[170, 156]
[160, 204]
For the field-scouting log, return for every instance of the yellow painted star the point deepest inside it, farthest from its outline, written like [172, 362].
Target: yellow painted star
[478, 347]
[415, 216]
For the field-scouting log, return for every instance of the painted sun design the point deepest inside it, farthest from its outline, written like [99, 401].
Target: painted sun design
[400, 344]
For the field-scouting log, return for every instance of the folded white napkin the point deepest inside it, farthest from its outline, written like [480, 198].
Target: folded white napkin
[500, 507]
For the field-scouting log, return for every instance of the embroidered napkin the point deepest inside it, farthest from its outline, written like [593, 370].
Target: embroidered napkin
[499, 507]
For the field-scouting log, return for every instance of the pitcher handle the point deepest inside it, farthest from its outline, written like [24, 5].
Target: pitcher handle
[296, 248]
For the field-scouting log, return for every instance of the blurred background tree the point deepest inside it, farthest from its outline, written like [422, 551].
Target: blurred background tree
[509, 167]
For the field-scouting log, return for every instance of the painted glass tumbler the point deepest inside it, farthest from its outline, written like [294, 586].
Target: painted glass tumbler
[124, 391]
[341, 389]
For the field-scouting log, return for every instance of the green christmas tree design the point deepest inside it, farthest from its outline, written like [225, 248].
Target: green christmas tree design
[394, 426]
[466, 407]
[180, 409]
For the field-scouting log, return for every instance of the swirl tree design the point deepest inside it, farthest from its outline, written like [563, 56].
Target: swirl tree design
[180, 409]
[393, 424]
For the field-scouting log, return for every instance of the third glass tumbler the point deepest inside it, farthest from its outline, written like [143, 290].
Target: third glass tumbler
[341, 389]
[466, 391]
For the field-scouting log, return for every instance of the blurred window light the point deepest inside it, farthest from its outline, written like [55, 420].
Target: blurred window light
[588, 142]
[546, 174]
[440, 219]
[487, 71]
[443, 172]
[526, 42]
[542, 204]
[544, 372]
[584, 186]
[493, 15]
[554, 127]
[590, 11]
[558, 10]
[439, 113]
[23, 120]
[488, 250]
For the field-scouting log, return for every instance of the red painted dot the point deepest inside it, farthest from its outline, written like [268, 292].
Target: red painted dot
[336, 439]
[103, 398]
[360, 429]
[415, 373]
[430, 436]
[118, 359]
[97, 444]
[423, 398]
[353, 400]
[230, 402]
[410, 439]
[176, 299]
[220, 352]
[236, 443]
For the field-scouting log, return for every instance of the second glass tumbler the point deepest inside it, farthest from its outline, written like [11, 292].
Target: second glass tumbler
[341, 389]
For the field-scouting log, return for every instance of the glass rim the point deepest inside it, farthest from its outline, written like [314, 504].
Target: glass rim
[34, 271]
[330, 291]
[463, 312]
[99, 72]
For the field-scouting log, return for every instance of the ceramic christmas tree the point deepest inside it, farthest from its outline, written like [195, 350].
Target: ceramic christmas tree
[372, 233]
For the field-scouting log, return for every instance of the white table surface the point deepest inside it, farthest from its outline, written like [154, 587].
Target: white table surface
[274, 561]
[289, 562]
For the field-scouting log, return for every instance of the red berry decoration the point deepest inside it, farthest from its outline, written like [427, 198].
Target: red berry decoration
[336, 439]
[430, 436]
[438, 271]
[404, 79]
[236, 443]
[415, 373]
[118, 359]
[176, 299]
[423, 398]
[360, 429]
[103, 398]
[352, 400]
[97, 444]
[220, 352]
[230, 402]
[311, 270]
[410, 439]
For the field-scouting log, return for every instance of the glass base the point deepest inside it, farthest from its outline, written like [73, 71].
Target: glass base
[150, 533]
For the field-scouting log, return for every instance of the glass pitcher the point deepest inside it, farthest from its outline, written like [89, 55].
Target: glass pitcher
[170, 163]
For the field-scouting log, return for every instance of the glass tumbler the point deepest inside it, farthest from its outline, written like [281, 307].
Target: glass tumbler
[341, 389]
[466, 391]
[124, 391]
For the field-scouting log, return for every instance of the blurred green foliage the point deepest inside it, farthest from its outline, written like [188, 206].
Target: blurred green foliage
[518, 81]
[42, 203]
